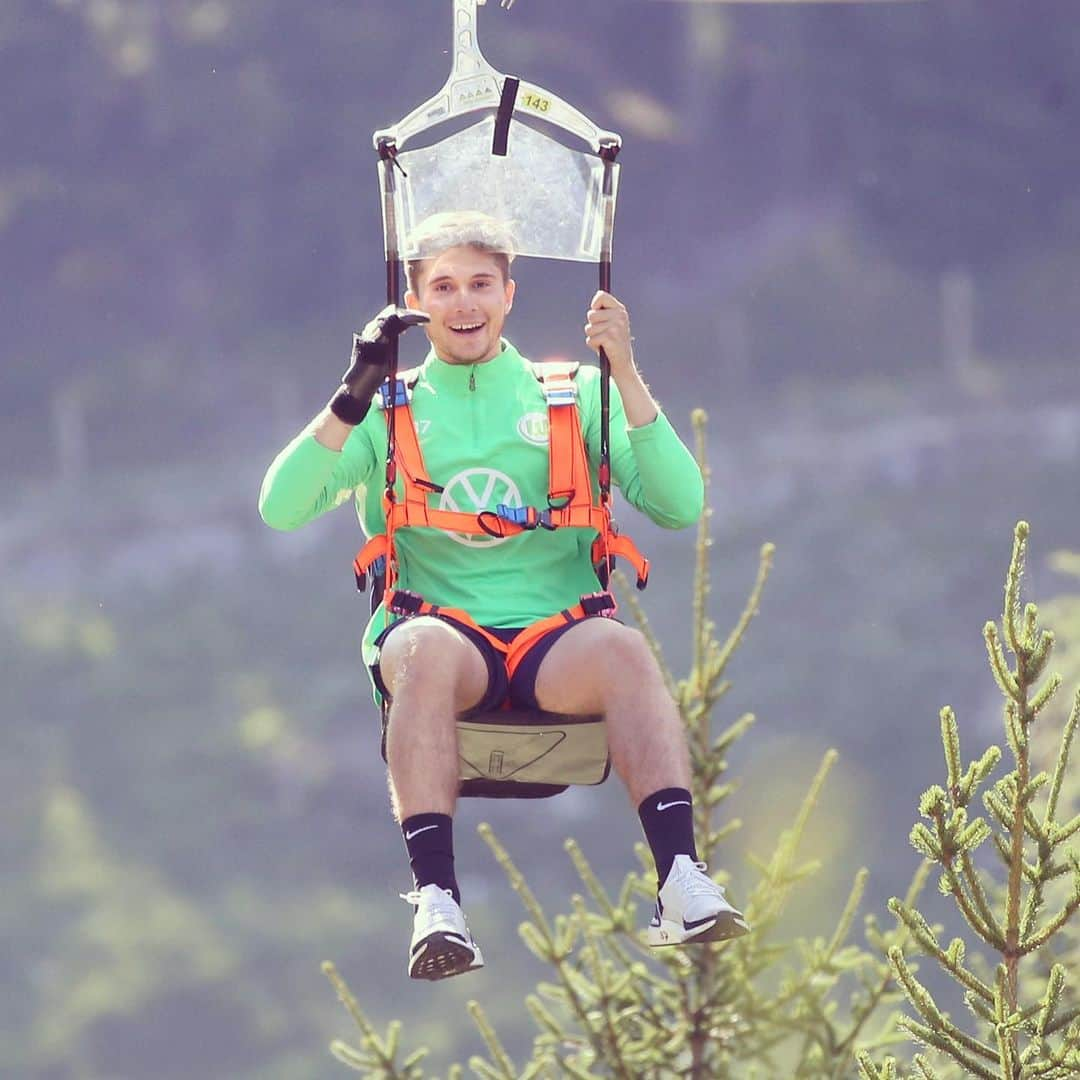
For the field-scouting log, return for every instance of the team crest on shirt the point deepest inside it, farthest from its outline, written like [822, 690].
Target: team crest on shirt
[478, 489]
[535, 428]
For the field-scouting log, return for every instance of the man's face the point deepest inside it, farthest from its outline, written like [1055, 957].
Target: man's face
[464, 293]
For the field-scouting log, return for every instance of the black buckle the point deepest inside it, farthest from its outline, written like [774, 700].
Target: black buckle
[599, 603]
[405, 602]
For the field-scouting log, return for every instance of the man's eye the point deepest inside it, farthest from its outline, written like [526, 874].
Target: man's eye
[482, 284]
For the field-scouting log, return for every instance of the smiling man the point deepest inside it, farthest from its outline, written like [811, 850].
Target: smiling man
[481, 419]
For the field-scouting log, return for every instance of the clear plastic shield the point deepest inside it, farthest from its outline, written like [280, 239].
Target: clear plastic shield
[550, 196]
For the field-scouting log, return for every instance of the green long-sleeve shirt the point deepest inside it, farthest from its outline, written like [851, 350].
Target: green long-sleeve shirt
[483, 434]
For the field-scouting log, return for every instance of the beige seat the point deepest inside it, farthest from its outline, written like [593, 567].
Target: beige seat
[519, 753]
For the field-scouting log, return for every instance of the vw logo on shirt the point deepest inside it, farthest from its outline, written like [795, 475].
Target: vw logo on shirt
[535, 428]
[474, 490]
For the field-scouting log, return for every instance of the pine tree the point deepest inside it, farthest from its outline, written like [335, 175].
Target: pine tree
[1063, 613]
[758, 1006]
[1020, 1025]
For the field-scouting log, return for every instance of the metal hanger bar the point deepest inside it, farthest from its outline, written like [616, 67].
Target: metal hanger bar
[474, 84]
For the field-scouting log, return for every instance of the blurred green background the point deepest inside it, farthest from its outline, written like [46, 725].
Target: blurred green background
[850, 232]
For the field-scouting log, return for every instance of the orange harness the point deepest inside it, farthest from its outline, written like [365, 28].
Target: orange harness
[570, 505]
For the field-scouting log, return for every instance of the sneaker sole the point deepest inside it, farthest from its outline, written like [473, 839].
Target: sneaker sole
[724, 928]
[440, 956]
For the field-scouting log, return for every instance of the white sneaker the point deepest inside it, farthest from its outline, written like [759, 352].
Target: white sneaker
[690, 907]
[441, 944]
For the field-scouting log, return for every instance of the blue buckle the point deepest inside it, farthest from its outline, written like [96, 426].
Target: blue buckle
[401, 393]
[561, 395]
[528, 517]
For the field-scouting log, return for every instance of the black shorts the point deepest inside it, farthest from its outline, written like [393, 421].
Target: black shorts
[519, 692]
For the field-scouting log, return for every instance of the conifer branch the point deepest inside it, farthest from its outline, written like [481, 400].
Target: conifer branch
[1016, 867]
[589, 880]
[940, 1040]
[1067, 831]
[926, 1072]
[869, 1071]
[1012, 586]
[517, 880]
[1042, 698]
[503, 1068]
[950, 959]
[346, 998]
[981, 900]
[1038, 940]
[847, 915]
[861, 1011]
[1062, 763]
[1050, 1002]
[724, 652]
[999, 664]
[606, 994]
[702, 585]
[628, 597]
[953, 886]
[375, 1053]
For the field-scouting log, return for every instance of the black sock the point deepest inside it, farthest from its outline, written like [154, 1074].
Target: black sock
[667, 816]
[429, 839]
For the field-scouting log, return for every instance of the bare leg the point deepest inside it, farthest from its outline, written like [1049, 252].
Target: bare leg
[433, 673]
[601, 666]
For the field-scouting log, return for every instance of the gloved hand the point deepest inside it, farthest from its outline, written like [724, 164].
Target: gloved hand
[371, 347]
[369, 361]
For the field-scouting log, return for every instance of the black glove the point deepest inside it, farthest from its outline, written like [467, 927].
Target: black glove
[370, 360]
[371, 347]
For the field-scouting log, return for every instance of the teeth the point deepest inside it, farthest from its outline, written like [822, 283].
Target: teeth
[468, 326]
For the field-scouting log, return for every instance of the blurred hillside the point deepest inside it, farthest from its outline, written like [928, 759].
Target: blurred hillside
[849, 232]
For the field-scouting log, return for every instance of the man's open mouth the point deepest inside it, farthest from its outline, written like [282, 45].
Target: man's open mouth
[465, 329]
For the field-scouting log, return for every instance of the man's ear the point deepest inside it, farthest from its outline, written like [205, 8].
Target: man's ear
[511, 288]
[412, 301]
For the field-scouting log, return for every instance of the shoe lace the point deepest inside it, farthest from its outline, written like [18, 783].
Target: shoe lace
[700, 884]
[442, 901]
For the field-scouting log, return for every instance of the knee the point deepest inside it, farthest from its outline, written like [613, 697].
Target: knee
[630, 660]
[418, 654]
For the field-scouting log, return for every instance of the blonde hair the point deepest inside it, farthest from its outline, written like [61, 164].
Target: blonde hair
[458, 228]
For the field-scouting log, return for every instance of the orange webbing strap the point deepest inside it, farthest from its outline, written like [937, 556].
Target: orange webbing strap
[603, 604]
[615, 544]
[376, 548]
[402, 602]
[570, 482]
[568, 470]
[458, 521]
[410, 461]
[568, 466]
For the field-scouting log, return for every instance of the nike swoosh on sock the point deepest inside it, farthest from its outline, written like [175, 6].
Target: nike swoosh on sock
[417, 832]
[668, 805]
